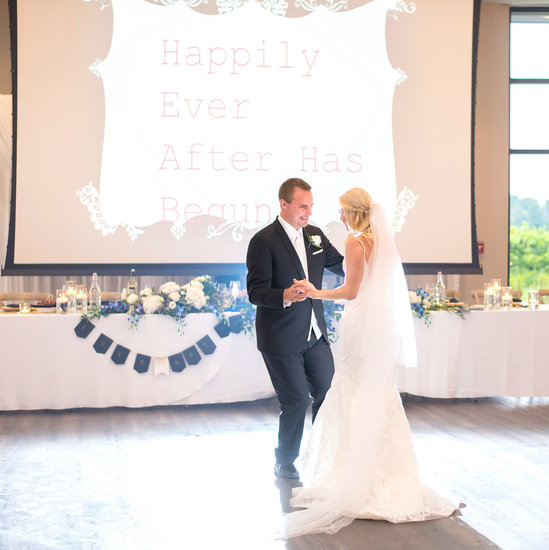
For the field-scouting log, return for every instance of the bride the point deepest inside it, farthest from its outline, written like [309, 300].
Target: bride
[360, 457]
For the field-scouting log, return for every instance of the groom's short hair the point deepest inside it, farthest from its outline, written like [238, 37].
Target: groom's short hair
[286, 190]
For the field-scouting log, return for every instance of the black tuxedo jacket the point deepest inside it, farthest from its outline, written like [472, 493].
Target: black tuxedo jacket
[273, 264]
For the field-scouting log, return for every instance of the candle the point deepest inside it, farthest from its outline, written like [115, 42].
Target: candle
[62, 304]
[489, 296]
[82, 302]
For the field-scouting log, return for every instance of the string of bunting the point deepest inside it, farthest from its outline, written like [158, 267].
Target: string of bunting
[162, 365]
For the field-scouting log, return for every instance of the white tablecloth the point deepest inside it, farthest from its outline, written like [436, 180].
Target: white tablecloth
[490, 353]
[44, 365]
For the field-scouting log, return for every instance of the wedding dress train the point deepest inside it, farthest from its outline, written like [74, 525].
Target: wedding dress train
[360, 457]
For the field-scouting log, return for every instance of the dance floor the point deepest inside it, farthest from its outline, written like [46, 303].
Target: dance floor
[200, 478]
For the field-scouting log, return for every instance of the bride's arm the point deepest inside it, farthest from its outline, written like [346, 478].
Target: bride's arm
[354, 260]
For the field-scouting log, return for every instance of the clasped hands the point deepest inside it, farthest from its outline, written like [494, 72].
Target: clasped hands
[299, 291]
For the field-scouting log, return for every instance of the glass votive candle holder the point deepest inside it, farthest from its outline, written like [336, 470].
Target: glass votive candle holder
[81, 299]
[24, 308]
[533, 299]
[69, 284]
[61, 303]
[70, 293]
[497, 288]
[489, 296]
[507, 298]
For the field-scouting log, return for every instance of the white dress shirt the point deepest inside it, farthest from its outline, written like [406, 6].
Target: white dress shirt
[296, 237]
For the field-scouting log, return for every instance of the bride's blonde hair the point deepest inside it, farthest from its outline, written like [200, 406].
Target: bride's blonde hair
[356, 205]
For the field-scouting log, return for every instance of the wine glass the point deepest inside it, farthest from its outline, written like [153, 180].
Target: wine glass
[235, 289]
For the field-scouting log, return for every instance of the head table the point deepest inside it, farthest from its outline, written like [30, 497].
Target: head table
[45, 365]
[488, 354]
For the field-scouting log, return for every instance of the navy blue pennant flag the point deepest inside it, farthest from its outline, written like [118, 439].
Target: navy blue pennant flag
[119, 355]
[177, 363]
[206, 345]
[191, 355]
[102, 344]
[235, 322]
[83, 328]
[223, 329]
[141, 364]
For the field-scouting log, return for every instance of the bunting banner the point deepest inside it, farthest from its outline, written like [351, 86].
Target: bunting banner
[190, 356]
[102, 344]
[206, 345]
[177, 363]
[120, 354]
[141, 364]
[161, 365]
[83, 328]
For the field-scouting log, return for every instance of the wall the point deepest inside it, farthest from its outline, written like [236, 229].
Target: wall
[491, 147]
[491, 142]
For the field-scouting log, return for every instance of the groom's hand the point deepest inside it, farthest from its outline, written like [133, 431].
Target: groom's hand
[294, 294]
[304, 287]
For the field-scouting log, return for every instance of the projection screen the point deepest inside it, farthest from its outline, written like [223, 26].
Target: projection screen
[155, 133]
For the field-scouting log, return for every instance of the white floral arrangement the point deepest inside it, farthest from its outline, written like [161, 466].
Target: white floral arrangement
[198, 296]
[201, 295]
[173, 299]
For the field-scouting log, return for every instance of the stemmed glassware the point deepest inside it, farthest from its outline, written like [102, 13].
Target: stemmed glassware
[235, 289]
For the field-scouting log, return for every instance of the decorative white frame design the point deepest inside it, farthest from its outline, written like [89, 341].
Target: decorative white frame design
[103, 3]
[405, 201]
[402, 7]
[89, 195]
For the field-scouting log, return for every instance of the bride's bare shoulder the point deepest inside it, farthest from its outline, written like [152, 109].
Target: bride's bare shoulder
[359, 245]
[353, 247]
[352, 242]
[360, 241]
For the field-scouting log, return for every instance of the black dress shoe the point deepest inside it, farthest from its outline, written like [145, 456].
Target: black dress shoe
[287, 471]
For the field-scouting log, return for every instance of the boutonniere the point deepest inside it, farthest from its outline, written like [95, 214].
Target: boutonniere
[314, 240]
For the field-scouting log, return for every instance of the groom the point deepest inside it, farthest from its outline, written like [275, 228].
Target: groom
[291, 330]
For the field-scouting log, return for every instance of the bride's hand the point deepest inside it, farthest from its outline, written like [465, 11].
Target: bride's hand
[305, 287]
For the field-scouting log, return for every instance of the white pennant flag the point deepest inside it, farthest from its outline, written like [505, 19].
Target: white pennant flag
[161, 365]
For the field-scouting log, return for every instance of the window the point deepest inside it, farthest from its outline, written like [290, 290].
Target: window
[529, 149]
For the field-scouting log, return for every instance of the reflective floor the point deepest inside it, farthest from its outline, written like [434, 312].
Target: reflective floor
[201, 478]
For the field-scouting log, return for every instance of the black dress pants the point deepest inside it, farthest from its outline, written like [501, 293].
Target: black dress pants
[295, 376]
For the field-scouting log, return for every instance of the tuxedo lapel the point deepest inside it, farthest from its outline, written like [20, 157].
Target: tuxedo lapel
[308, 251]
[291, 249]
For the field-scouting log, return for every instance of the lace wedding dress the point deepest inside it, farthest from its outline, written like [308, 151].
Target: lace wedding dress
[360, 457]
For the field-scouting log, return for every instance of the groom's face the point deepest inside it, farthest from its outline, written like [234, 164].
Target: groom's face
[297, 212]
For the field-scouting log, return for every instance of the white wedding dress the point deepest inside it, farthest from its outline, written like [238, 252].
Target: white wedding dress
[359, 457]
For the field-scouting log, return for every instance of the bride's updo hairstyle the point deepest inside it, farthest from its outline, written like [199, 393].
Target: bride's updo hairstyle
[356, 205]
